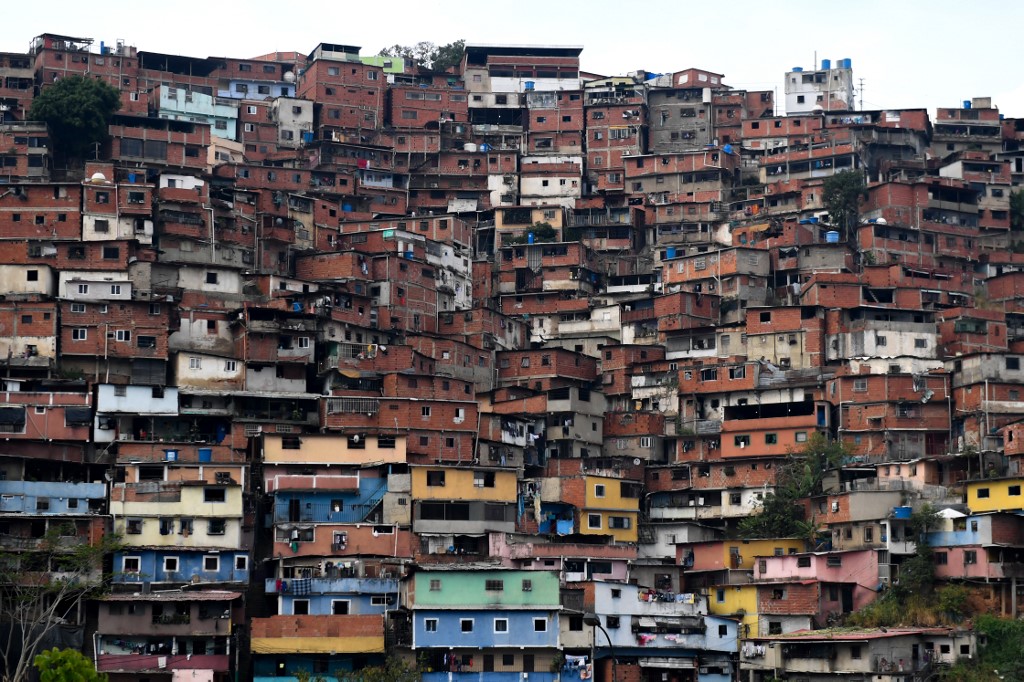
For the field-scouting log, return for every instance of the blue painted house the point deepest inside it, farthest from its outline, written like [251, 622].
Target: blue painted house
[484, 623]
[171, 565]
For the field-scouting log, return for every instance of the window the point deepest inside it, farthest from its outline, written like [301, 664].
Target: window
[803, 562]
[720, 595]
[611, 622]
[855, 651]
[133, 527]
[241, 563]
[123, 335]
[494, 585]
[1013, 363]
[527, 586]
[300, 607]
[340, 607]
[435, 479]
[425, 411]
[983, 493]
[79, 334]
[211, 278]
[211, 564]
[775, 627]
[214, 495]
[466, 624]
[771, 438]
[78, 307]
[111, 252]
[501, 624]
[594, 521]
[801, 437]
[195, 363]
[115, 289]
[230, 365]
[435, 585]
[170, 564]
[1013, 491]
[540, 624]
[131, 564]
[970, 557]
[599, 490]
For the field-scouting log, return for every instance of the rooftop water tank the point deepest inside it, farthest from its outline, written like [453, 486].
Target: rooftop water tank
[831, 237]
[826, 64]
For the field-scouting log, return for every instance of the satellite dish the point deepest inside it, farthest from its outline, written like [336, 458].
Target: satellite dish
[289, 77]
[636, 461]
[98, 178]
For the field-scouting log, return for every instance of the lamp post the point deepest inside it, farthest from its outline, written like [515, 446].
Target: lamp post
[593, 621]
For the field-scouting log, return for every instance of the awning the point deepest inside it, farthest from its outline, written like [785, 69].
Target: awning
[78, 416]
[671, 663]
[646, 622]
[12, 415]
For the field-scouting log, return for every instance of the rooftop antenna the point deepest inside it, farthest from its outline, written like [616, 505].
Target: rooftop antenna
[861, 93]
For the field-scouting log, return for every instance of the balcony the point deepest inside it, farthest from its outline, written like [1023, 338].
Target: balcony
[137, 663]
[342, 586]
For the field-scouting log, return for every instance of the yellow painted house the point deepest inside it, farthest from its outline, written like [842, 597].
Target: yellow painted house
[476, 484]
[176, 515]
[610, 507]
[995, 494]
[734, 600]
[333, 449]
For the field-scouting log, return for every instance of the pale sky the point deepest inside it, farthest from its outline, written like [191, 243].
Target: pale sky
[910, 53]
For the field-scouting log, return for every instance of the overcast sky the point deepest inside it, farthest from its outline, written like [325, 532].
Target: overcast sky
[921, 53]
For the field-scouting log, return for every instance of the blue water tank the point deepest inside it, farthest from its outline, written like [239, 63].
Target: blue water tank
[902, 512]
[529, 238]
[797, 69]
[170, 455]
[847, 63]
[831, 237]
[307, 136]
[297, 307]
[205, 454]
[485, 147]
[826, 64]
[967, 104]
[670, 252]
[727, 149]
[347, 208]
[529, 85]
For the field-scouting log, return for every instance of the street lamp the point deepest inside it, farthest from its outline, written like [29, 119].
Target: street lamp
[592, 620]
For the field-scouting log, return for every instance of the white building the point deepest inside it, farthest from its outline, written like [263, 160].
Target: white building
[829, 88]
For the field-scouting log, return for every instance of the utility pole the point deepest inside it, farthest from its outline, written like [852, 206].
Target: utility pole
[861, 93]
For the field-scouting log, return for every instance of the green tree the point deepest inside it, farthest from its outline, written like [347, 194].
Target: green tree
[447, 56]
[1017, 210]
[66, 665]
[841, 196]
[78, 110]
[42, 588]
[428, 55]
[781, 515]
[392, 670]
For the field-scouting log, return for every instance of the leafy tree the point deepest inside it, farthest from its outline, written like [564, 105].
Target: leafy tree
[78, 110]
[392, 670]
[841, 195]
[781, 514]
[447, 56]
[43, 588]
[66, 665]
[428, 55]
[1017, 210]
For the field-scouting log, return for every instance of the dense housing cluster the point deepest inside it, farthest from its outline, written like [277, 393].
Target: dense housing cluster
[483, 369]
